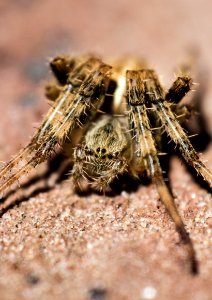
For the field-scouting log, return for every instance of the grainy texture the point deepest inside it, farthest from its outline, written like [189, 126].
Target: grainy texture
[56, 244]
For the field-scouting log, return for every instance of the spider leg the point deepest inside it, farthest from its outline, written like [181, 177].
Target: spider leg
[62, 66]
[79, 101]
[60, 107]
[155, 96]
[145, 154]
[52, 91]
[180, 87]
[183, 82]
[188, 113]
[22, 164]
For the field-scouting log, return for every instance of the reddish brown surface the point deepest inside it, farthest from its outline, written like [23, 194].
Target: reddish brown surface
[58, 245]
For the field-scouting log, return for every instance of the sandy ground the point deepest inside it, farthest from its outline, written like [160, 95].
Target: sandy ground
[55, 244]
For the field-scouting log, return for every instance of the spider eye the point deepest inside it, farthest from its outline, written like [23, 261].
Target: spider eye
[103, 150]
[110, 156]
[98, 149]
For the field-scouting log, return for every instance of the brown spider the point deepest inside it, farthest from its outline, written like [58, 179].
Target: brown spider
[114, 142]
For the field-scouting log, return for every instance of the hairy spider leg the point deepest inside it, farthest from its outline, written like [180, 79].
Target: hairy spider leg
[62, 66]
[119, 76]
[88, 99]
[173, 127]
[65, 67]
[47, 136]
[180, 87]
[29, 152]
[65, 101]
[145, 152]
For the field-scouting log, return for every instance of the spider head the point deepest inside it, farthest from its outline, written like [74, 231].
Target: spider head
[104, 154]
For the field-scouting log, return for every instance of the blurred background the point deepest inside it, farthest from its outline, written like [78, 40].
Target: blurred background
[158, 30]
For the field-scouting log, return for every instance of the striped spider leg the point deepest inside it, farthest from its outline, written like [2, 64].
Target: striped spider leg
[144, 91]
[83, 83]
[162, 104]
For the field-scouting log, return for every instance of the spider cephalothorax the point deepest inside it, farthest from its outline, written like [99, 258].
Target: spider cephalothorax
[105, 140]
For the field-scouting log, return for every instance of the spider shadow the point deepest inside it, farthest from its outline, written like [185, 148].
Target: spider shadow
[53, 166]
[124, 182]
[19, 200]
[166, 165]
[198, 125]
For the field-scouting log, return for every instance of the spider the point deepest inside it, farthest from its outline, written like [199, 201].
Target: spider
[103, 118]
